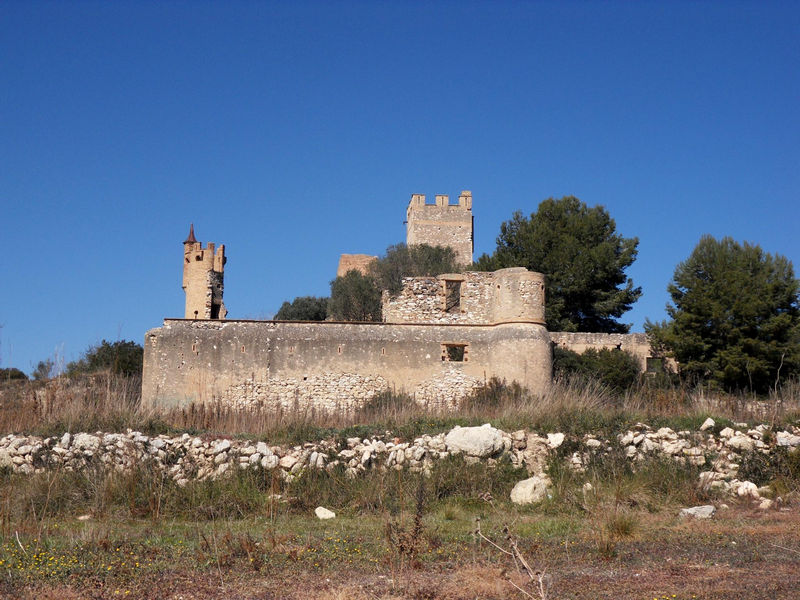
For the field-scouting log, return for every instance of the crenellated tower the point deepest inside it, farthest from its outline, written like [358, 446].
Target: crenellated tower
[442, 224]
[203, 270]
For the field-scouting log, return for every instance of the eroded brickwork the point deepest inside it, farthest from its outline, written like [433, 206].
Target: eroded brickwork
[321, 391]
[507, 295]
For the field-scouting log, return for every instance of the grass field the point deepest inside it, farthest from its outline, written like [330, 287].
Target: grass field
[453, 535]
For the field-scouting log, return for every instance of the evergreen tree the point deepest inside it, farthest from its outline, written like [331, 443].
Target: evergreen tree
[303, 308]
[734, 316]
[355, 297]
[582, 257]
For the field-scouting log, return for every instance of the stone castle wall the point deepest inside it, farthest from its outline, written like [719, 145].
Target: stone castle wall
[335, 366]
[508, 295]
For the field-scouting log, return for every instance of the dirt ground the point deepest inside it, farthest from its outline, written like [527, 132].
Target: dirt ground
[740, 553]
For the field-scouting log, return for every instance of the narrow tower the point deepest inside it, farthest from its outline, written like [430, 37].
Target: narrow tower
[442, 224]
[202, 279]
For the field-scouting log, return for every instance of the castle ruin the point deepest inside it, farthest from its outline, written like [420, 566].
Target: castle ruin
[441, 337]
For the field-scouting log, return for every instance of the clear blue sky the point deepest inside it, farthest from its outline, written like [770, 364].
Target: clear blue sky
[297, 131]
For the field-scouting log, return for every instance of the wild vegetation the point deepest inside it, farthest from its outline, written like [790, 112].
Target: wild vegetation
[397, 534]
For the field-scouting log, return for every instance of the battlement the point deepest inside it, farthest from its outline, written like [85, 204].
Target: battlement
[203, 270]
[442, 224]
[441, 200]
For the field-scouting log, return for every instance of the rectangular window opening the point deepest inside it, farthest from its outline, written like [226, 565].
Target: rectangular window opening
[454, 353]
[452, 296]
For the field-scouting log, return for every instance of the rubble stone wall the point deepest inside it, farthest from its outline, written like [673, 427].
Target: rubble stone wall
[185, 458]
[334, 366]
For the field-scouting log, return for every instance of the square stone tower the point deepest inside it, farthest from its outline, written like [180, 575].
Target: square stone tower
[442, 224]
[203, 270]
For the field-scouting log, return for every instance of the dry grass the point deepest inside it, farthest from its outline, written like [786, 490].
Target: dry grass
[109, 402]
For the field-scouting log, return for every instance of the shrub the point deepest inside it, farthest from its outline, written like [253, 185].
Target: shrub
[617, 369]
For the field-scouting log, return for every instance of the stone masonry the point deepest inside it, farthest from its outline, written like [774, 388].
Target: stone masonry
[203, 279]
[442, 224]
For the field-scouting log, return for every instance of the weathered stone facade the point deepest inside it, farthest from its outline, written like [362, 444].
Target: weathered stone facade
[442, 224]
[203, 270]
[335, 366]
[508, 295]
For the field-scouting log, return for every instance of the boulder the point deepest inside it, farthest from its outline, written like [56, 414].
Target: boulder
[323, 513]
[479, 442]
[741, 443]
[747, 488]
[554, 440]
[707, 424]
[528, 491]
[221, 446]
[785, 438]
[698, 512]
[85, 441]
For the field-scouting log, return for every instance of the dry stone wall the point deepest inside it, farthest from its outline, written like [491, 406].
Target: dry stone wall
[188, 458]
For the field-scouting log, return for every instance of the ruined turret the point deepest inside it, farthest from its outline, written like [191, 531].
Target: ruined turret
[203, 270]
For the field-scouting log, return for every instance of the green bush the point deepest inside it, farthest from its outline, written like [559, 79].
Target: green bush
[616, 369]
[122, 357]
[12, 374]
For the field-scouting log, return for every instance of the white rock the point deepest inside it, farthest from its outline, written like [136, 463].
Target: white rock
[785, 438]
[674, 446]
[269, 462]
[528, 491]
[593, 443]
[85, 441]
[726, 433]
[263, 449]
[554, 440]
[221, 446]
[747, 488]
[475, 441]
[324, 513]
[288, 461]
[65, 440]
[765, 504]
[741, 443]
[707, 424]
[699, 512]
